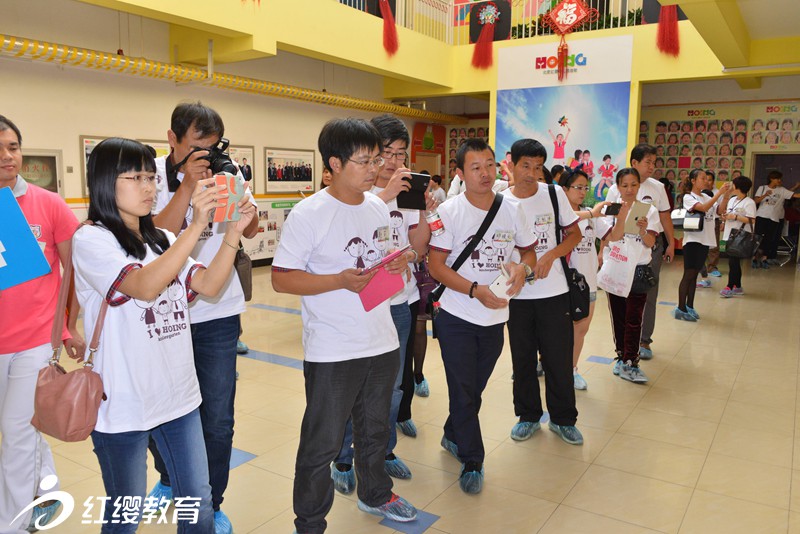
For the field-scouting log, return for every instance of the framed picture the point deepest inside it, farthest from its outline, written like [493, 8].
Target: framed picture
[42, 168]
[162, 147]
[289, 170]
[88, 142]
[244, 157]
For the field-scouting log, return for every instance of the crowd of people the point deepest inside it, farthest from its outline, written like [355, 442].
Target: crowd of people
[502, 261]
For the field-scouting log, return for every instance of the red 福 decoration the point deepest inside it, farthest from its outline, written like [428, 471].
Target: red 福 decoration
[390, 42]
[563, 19]
[668, 40]
[482, 56]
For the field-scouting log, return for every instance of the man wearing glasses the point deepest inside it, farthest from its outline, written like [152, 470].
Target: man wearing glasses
[351, 356]
[539, 316]
[409, 226]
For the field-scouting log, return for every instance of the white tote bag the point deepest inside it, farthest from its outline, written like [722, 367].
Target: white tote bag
[619, 264]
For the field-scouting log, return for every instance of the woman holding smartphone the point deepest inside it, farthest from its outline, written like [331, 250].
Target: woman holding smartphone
[583, 258]
[145, 353]
[696, 244]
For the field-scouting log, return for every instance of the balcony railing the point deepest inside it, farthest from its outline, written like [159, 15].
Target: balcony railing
[448, 20]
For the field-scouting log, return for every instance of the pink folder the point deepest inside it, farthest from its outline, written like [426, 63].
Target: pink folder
[383, 285]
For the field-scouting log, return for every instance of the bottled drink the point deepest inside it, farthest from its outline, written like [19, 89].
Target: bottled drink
[434, 222]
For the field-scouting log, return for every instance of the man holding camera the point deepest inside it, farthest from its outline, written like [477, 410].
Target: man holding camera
[194, 136]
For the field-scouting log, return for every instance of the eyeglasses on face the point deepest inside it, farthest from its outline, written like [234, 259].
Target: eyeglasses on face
[376, 162]
[580, 187]
[140, 179]
[399, 157]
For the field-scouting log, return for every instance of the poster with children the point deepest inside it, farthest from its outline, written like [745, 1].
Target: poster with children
[582, 119]
[578, 124]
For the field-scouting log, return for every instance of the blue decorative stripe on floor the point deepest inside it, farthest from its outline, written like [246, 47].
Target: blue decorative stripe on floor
[275, 308]
[423, 523]
[239, 457]
[665, 303]
[545, 418]
[599, 359]
[274, 358]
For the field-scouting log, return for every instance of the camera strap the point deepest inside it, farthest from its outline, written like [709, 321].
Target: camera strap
[172, 172]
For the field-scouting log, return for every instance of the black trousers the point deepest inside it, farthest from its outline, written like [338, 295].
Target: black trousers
[404, 414]
[735, 272]
[542, 326]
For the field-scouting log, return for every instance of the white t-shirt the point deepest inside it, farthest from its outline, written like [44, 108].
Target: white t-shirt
[539, 213]
[604, 225]
[325, 236]
[584, 257]
[651, 191]
[707, 236]
[230, 300]
[145, 353]
[439, 195]
[745, 207]
[402, 221]
[461, 221]
[772, 206]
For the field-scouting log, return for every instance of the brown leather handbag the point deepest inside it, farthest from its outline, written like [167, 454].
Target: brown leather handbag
[66, 404]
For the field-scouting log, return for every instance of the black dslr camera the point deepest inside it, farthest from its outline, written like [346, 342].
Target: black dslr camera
[218, 158]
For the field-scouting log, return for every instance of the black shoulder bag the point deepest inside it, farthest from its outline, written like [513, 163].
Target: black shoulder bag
[576, 282]
[436, 294]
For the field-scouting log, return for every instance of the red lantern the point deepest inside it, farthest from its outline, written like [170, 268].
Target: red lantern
[565, 17]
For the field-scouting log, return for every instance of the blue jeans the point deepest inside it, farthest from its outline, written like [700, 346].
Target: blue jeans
[123, 463]
[215, 363]
[401, 315]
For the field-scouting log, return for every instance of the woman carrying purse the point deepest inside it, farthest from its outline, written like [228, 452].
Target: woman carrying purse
[739, 212]
[627, 312]
[145, 350]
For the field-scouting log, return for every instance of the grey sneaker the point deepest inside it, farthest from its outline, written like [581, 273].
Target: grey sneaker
[737, 291]
[524, 430]
[396, 509]
[632, 374]
[568, 433]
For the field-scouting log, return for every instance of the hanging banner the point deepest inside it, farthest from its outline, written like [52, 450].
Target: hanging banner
[581, 120]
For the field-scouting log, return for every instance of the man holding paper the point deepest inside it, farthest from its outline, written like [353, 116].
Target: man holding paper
[351, 355]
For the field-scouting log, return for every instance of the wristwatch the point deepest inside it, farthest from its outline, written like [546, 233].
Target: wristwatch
[529, 276]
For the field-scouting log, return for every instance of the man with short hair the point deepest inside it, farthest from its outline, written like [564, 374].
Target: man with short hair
[651, 191]
[194, 130]
[247, 170]
[28, 313]
[539, 316]
[470, 322]
[351, 356]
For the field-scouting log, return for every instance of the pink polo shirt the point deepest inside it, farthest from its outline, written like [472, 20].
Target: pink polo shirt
[28, 309]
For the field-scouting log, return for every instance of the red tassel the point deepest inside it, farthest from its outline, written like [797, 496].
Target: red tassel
[390, 43]
[668, 40]
[482, 56]
[563, 52]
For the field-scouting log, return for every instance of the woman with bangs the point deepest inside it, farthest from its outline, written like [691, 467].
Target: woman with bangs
[146, 277]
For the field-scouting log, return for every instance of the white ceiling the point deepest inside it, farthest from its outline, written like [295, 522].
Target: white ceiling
[771, 18]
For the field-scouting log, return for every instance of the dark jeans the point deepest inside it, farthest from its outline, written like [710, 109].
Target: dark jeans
[542, 326]
[404, 414]
[469, 353]
[648, 320]
[626, 321]
[123, 464]
[735, 274]
[215, 363]
[403, 323]
[360, 389]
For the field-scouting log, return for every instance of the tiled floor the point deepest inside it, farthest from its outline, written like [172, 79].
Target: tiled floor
[709, 445]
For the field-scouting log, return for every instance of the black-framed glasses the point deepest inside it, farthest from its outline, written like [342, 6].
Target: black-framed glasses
[375, 162]
[399, 157]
